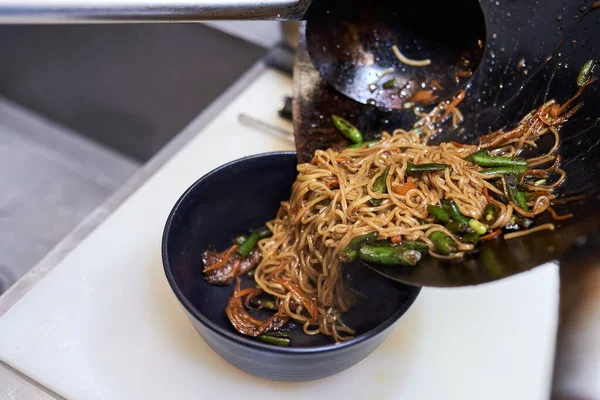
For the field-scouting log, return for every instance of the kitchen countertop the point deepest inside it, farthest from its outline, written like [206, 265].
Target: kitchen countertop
[84, 331]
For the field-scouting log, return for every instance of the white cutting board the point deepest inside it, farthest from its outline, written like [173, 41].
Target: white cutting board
[104, 323]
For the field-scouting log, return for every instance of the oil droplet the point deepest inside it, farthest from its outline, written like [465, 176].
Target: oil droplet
[559, 17]
[573, 42]
[371, 102]
[582, 9]
[372, 87]
[494, 36]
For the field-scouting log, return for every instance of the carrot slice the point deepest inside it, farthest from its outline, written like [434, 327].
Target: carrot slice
[403, 188]
[493, 235]
[396, 239]
[226, 257]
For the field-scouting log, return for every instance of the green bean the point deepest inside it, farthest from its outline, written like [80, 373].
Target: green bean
[347, 129]
[390, 84]
[452, 209]
[268, 304]
[490, 213]
[539, 182]
[484, 159]
[250, 243]
[517, 169]
[350, 253]
[444, 244]
[380, 186]
[472, 237]
[277, 341]
[420, 169]
[367, 144]
[477, 226]
[459, 227]
[438, 213]
[393, 255]
[585, 73]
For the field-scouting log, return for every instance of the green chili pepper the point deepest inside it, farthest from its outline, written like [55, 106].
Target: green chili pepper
[444, 244]
[585, 73]
[379, 186]
[420, 169]
[517, 169]
[490, 213]
[390, 84]
[477, 226]
[350, 253]
[367, 144]
[274, 340]
[438, 213]
[459, 227]
[347, 255]
[515, 194]
[268, 304]
[483, 159]
[415, 245]
[472, 237]
[250, 243]
[393, 255]
[452, 209]
[347, 129]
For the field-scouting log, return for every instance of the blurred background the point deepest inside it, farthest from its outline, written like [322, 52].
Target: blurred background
[83, 107]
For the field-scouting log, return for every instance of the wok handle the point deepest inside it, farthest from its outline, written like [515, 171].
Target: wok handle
[120, 11]
[577, 357]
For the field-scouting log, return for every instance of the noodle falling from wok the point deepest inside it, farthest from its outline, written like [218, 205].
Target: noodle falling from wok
[429, 200]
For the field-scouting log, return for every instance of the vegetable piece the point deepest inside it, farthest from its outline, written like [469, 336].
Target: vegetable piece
[403, 188]
[490, 213]
[407, 244]
[444, 244]
[484, 159]
[493, 235]
[439, 213]
[472, 237]
[350, 253]
[420, 169]
[268, 304]
[415, 245]
[452, 209]
[478, 226]
[517, 169]
[367, 144]
[459, 227]
[516, 195]
[347, 255]
[585, 73]
[379, 186]
[275, 340]
[347, 129]
[250, 243]
[390, 84]
[240, 240]
[222, 268]
[245, 323]
[392, 255]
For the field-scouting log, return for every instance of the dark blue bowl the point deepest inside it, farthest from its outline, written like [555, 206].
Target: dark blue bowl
[229, 201]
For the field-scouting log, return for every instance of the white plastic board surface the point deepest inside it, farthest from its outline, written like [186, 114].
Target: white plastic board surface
[104, 323]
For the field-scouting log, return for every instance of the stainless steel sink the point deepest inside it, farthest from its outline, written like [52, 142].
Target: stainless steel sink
[84, 107]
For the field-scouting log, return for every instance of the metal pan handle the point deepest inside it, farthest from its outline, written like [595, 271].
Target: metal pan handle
[121, 11]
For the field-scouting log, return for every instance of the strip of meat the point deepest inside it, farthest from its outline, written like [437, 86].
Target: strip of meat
[245, 323]
[222, 268]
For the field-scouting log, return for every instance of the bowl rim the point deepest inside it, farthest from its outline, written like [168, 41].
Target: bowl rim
[235, 336]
